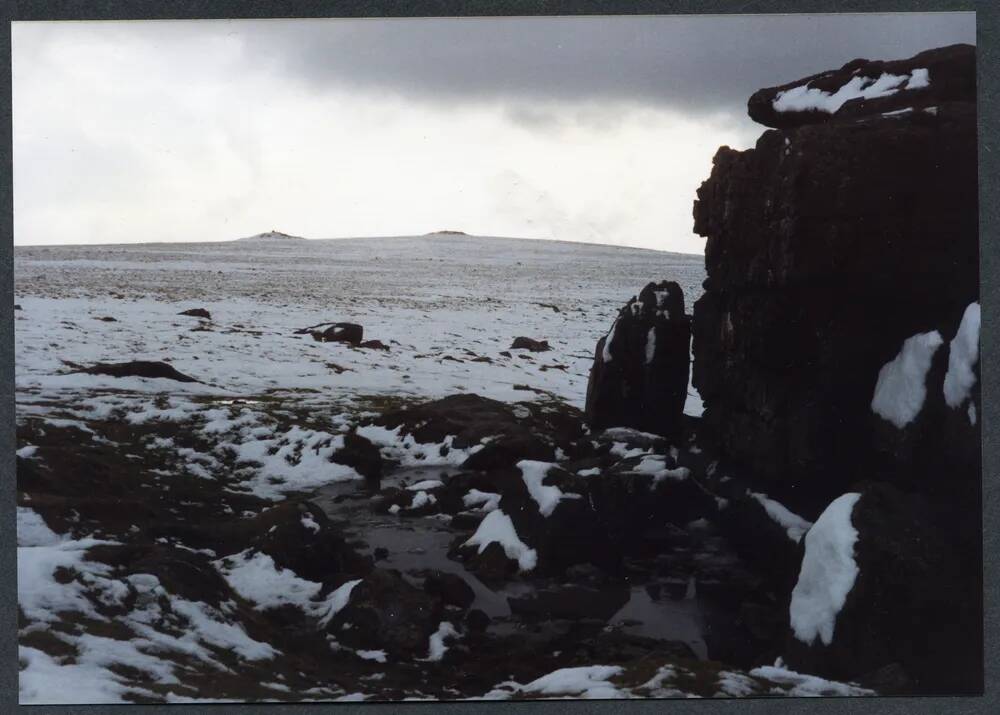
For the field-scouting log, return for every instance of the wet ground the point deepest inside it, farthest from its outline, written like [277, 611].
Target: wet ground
[663, 606]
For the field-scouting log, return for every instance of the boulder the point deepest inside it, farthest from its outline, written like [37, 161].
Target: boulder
[639, 377]
[450, 588]
[138, 368]
[865, 88]
[351, 333]
[909, 605]
[828, 244]
[535, 346]
[386, 612]
[362, 456]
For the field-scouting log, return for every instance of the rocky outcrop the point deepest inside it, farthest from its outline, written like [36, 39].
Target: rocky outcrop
[870, 88]
[837, 341]
[640, 373]
[906, 605]
[828, 244]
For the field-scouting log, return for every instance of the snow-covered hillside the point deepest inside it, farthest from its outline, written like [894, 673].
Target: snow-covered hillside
[448, 308]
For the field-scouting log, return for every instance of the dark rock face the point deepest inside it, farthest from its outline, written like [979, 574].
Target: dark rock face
[950, 74]
[640, 374]
[138, 368]
[535, 346]
[909, 605]
[828, 245]
[197, 313]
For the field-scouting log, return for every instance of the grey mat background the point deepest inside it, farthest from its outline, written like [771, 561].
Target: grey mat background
[988, 30]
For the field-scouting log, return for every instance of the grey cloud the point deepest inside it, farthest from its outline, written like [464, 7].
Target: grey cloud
[696, 63]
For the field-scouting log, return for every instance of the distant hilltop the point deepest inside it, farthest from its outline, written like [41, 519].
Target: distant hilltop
[446, 233]
[272, 236]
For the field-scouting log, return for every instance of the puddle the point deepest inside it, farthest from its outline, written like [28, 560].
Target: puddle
[418, 544]
[664, 618]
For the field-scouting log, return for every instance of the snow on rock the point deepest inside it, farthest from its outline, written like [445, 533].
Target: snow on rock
[498, 527]
[255, 577]
[793, 524]
[336, 601]
[801, 685]
[27, 452]
[828, 572]
[962, 358]
[547, 497]
[606, 351]
[436, 647]
[656, 466]
[589, 682]
[485, 501]
[805, 98]
[298, 460]
[421, 499]
[425, 484]
[901, 388]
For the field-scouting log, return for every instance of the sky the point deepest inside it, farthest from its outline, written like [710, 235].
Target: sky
[591, 129]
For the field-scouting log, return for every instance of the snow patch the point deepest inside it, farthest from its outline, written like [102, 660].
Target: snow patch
[828, 572]
[547, 497]
[962, 358]
[497, 527]
[793, 524]
[804, 98]
[901, 390]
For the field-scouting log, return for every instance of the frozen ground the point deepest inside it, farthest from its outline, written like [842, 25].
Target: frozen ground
[439, 302]
[119, 478]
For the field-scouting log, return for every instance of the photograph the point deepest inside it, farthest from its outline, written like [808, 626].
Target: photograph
[497, 358]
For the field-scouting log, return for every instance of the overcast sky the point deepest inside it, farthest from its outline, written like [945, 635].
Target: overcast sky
[594, 129]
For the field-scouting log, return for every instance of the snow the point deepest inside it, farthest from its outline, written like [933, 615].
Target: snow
[919, 78]
[27, 452]
[436, 647]
[793, 524]
[828, 572]
[807, 685]
[336, 601]
[486, 501]
[497, 527]
[547, 497]
[409, 292]
[606, 351]
[255, 577]
[805, 98]
[962, 358]
[379, 656]
[422, 499]
[591, 681]
[32, 529]
[426, 484]
[310, 523]
[650, 345]
[901, 390]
